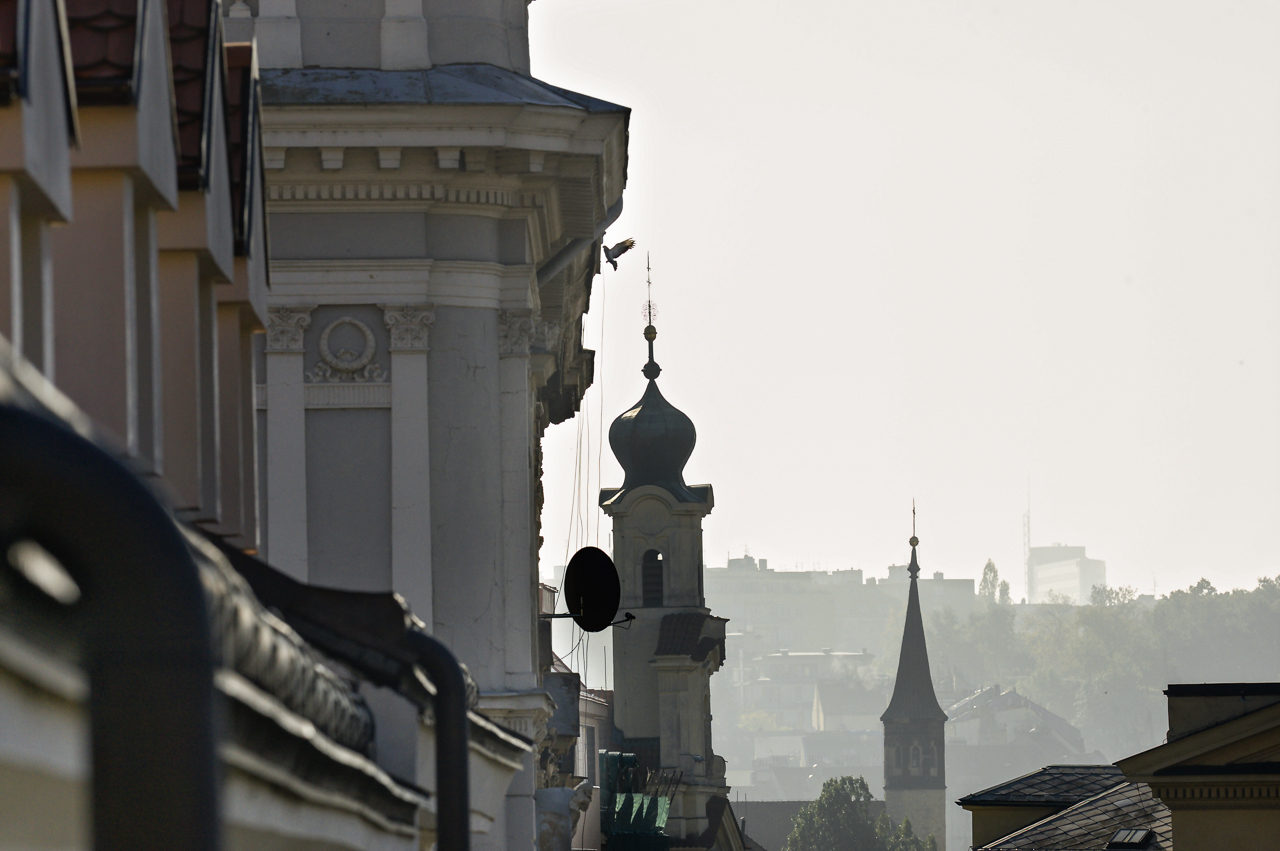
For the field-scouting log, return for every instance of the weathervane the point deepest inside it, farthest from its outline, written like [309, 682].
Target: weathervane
[650, 310]
[651, 369]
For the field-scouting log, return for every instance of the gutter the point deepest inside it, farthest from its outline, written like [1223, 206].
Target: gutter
[150, 655]
[570, 252]
[453, 784]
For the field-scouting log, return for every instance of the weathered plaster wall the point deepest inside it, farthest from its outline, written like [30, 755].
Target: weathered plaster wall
[466, 489]
[341, 236]
[349, 498]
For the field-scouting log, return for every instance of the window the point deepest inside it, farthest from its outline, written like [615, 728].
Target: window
[651, 578]
[915, 757]
[1128, 837]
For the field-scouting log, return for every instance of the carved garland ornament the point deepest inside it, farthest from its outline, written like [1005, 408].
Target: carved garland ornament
[408, 324]
[346, 365]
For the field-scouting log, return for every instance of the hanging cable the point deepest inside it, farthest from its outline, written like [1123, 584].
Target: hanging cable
[604, 294]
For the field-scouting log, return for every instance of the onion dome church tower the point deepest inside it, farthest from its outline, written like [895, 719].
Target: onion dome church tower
[662, 663]
[915, 777]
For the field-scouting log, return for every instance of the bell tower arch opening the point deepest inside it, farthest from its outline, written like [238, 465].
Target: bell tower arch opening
[651, 578]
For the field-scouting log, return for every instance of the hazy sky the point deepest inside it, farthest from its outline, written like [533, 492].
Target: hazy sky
[941, 251]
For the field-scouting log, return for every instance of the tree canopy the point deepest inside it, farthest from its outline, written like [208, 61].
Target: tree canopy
[840, 820]
[1103, 666]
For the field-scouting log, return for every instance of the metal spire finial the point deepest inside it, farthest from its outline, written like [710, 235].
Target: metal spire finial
[914, 568]
[651, 369]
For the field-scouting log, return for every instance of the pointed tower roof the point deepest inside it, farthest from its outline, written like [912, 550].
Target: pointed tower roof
[913, 696]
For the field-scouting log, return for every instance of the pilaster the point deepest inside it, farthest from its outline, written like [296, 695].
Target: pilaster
[527, 713]
[404, 36]
[279, 34]
[95, 303]
[411, 569]
[519, 550]
[286, 440]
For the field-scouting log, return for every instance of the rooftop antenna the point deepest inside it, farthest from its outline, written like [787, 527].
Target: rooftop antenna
[1026, 541]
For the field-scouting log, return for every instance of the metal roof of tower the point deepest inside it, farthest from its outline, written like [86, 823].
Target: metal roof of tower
[913, 696]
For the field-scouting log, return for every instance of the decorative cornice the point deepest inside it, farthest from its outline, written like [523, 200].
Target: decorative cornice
[515, 333]
[285, 327]
[347, 365]
[278, 191]
[409, 325]
[1233, 792]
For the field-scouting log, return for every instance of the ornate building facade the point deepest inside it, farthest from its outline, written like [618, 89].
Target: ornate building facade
[435, 215]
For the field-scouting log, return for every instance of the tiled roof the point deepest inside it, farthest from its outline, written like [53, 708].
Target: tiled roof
[1090, 824]
[193, 25]
[103, 40]
[1061, 785]
[679, 634]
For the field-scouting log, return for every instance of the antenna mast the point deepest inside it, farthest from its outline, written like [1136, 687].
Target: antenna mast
[1026, 542]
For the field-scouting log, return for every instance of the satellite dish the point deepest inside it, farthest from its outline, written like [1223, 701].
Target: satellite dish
[591, 589]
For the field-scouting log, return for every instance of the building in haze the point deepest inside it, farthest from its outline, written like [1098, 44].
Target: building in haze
[1065, 571]
[915, 760]
[435, 215]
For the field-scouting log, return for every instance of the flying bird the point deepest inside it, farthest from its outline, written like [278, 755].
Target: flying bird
[612, 254]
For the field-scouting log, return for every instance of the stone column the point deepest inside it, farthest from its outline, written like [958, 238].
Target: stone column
[519, 554]
[410, 456]
[287, 440]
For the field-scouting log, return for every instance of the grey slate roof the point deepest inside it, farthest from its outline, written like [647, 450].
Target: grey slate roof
[1053, 785]
[680, 634]
[459, 85]
[913, 696]
[1090, 824]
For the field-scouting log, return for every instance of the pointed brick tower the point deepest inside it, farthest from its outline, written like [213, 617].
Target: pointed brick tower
[915, 777]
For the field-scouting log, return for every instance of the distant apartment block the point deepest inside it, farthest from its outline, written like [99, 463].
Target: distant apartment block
[1063, 570]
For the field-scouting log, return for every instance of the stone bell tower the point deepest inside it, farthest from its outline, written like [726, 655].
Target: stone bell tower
[915, 777]
[664, 661]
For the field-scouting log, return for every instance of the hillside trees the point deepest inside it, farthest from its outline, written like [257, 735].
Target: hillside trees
[1103, 666]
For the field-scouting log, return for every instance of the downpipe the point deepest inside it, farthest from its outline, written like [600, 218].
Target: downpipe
[566, 255]
[148, 648]
[453, 782]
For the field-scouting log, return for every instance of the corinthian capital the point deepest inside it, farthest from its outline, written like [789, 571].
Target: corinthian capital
[408, 324]
[515, 332]
[285, 326]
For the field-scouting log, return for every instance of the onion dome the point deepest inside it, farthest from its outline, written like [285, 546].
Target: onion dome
[653, 440]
